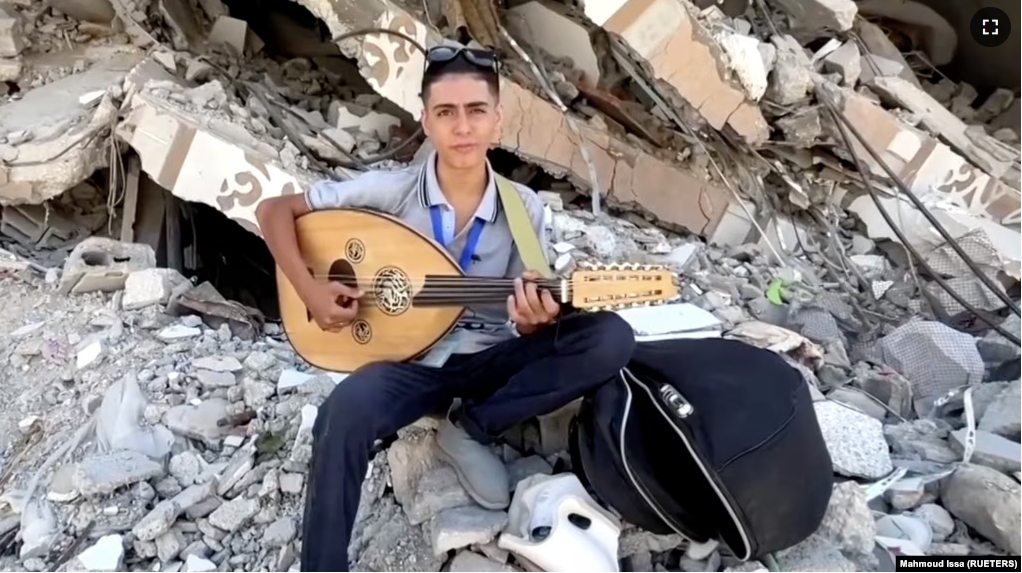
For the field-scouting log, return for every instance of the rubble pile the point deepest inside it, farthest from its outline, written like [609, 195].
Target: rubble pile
[154, 425]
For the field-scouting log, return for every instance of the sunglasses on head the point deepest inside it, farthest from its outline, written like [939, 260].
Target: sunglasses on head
[480, 58]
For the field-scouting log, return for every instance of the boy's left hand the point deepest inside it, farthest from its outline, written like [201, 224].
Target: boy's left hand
[529, 308]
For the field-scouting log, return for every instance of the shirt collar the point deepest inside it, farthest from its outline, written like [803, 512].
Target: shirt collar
[430, 194]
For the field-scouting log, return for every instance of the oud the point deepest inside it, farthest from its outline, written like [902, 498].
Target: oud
[414, 292]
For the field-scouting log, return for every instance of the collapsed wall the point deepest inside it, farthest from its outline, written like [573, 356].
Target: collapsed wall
[666, 61]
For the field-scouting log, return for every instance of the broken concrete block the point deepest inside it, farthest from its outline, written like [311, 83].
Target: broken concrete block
[877, 43]
[846, 61]
[874, 66]
[463, 526]
[1010, 118]
[469, 561]
[629, 177]
[838, 15]
[547, 26]
[96, 11]
[101, 474]
[987, 501]
[792, 76]
[746, 61]
[683, 57]
[63, 149]
[149, 286]
[934, 357]
[106, 554]
[12, 32]
[989, 155]
[10, 69]
[101, 264]
[802, 127]
[994, 105]
[1002, 416]
[184, 156]
[229, 31]
[991, 451]
[855, 441]
[930, 168]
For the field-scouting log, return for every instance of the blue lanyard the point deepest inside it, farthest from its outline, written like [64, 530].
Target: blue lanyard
[470, 242]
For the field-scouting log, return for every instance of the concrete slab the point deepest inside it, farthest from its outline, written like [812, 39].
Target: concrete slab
[58, 136]
[683, 56]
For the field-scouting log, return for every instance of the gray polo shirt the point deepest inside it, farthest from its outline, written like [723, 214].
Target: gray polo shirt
[408, 194]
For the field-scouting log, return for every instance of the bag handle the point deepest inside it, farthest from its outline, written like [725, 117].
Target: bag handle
[522, 232]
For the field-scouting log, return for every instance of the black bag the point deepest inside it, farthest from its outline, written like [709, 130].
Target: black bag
[709, 438]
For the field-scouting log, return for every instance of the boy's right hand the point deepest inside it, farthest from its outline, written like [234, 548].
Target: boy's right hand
[332, 304]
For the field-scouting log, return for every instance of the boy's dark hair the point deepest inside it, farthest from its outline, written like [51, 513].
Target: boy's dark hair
[458, 66]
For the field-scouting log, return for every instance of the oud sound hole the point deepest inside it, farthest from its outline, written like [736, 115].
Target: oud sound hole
[392, 290]
[361, 331]
[355, 250]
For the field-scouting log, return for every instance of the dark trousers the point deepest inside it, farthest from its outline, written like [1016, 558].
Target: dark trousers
[501, 386]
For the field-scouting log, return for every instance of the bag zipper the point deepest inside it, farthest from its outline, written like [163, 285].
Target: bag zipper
[631, 476]
[691, 451]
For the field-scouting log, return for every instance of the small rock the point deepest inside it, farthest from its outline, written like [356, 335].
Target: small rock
[920, 440]
[217, 364]
[906, 494]
[147, 287]
[232, 515]
[197, 564]
[463, 526]
[291, 483]
[259, 362]
[106, 554]
[103, 473]
[280, 532]
[214, 379]
[470, 562]
[1004, 415]
[89, 355]
[198, 71]
[169, 545]
[525, 467]
[185, 467]
[846, 61]
[987, 501]
[198, 422]
[991, 450]
[941, 522]
[855, 441]
[177, 332]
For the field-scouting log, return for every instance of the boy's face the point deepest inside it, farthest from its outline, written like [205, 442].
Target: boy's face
[462, 118]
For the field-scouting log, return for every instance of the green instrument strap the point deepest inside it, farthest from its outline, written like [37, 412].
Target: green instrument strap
[522, 232]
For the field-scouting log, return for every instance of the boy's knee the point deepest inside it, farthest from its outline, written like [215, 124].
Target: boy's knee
[356, 405]
[612, 340]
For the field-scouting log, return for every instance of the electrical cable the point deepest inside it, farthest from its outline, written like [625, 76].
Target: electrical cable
[986, 280]
[841, 123]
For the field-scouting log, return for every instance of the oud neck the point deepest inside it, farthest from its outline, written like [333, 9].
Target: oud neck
[461, 290]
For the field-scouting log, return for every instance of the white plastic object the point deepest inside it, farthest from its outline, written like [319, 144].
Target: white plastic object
[549, 501]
